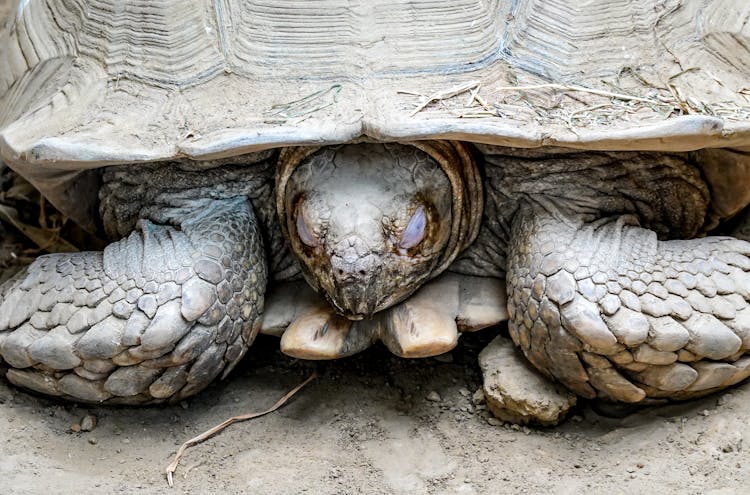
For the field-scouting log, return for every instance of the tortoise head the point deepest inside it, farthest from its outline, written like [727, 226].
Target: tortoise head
[369, 223]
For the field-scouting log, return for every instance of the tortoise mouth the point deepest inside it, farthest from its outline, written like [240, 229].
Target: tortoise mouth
[356, 296]
[361, 300]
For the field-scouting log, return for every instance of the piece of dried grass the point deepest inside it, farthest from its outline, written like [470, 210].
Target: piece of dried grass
[220, 427]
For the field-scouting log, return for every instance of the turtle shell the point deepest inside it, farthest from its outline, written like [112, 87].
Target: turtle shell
[87, 84]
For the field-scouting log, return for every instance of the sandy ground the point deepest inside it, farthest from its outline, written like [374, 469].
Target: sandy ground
[367, 426]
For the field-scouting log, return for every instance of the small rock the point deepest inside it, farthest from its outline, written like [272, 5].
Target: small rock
[492, 421]
[75, 428]
[92, 441]
[88, 422]
[464, 392]
[517, 393]
[478, 397]
[433, 396]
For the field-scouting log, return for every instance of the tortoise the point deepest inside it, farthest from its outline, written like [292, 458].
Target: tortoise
[340, 173]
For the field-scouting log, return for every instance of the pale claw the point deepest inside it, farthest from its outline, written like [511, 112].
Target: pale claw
[308, 326]
[414, 329]
[322, 334]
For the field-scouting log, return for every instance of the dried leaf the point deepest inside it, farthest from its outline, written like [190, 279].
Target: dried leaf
[48, 240]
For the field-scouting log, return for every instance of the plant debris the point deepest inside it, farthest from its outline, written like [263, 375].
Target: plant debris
[220, 427]
[586, 106]
[30, 226]
[302, 108]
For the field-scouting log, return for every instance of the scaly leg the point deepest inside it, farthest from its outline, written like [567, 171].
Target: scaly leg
[609, 310]
[154, 317]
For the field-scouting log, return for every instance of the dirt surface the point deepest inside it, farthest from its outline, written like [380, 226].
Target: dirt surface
[369, 424]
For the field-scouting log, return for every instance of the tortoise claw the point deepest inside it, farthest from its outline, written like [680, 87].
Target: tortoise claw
[323, 334]
[415, 329]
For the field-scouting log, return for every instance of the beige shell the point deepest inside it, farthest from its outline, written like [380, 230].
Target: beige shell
[90, 83]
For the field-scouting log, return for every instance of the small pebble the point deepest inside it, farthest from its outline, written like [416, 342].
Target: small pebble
[92, 441]
[444, 358]
[493, 421]
[478, 397]
[433, 396]
[88, 422]
[464, 392]
[75, 428]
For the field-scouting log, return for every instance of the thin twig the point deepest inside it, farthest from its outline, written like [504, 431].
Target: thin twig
[563, 87]
[412, 93]
[472, 95]
[634, 72]
[447, 93]
[584, 110]
[477, 115]
[482, 102]
[218, 428]
[682, 73]
[301, 107]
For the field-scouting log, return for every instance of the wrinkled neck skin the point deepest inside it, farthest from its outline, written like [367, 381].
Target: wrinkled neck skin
[368, 223]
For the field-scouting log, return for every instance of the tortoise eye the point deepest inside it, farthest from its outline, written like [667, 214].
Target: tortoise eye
[415, 230]
[305, 233]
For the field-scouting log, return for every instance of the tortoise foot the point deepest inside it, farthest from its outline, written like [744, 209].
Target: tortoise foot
[426, 324]
[610, 311]
[154, 317]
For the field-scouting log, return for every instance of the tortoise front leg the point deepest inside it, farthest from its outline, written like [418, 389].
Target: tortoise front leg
[609, 310]
[154, 317]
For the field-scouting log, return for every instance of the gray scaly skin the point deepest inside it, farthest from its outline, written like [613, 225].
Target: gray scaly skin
[158, 315]
[599, 298]
[596, 299]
